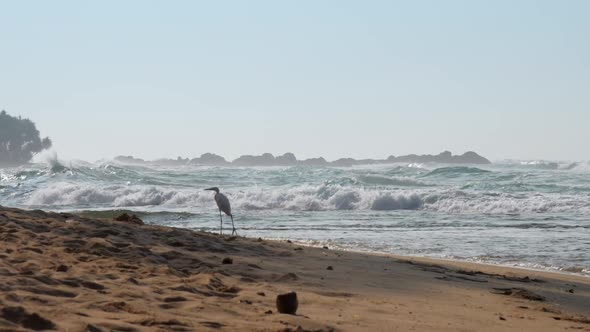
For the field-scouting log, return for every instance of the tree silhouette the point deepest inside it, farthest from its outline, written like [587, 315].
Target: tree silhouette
[19, 140]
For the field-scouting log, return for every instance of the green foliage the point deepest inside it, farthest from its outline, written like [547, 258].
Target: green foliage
[19, 140]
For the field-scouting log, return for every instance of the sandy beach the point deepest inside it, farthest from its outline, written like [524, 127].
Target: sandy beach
[69, 273]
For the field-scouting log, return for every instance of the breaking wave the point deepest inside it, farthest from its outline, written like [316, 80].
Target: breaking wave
[456, 171]
[391, 181]
[308, 198]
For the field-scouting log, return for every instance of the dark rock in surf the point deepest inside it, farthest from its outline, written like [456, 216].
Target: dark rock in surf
[129, 218]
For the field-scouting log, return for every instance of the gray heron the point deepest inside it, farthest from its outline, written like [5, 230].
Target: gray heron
[223, 205]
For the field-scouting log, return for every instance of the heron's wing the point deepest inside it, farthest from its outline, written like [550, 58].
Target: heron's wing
[223, 203]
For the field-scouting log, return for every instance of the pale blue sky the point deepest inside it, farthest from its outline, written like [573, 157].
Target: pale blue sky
[508, 79]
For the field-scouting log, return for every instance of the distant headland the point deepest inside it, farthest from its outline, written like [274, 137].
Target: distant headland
[289, 159]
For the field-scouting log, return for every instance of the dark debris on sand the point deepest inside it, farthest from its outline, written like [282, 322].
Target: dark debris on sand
[519, 293]
[287, 303]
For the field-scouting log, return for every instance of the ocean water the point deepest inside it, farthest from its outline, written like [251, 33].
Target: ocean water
[526, 214]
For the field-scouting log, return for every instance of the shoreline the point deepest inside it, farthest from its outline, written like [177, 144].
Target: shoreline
[107, 212]
[447, 261]
[78, 274]
[526, 265]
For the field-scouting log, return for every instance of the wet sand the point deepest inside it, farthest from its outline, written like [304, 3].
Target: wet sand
[68, 273]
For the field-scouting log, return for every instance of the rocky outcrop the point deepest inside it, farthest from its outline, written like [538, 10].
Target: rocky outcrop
[314, 162]
[265, 159]
[286, 159]
[129, 160]
[445, 157]
[289, 159]
[209, 159]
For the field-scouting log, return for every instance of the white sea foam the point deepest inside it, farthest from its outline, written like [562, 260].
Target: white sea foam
[308, 198]
[70, 194]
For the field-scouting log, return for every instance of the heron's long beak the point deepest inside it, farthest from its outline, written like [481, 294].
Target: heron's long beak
[210, 189]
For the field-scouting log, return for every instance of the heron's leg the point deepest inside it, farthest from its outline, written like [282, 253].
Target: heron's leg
[221, 223]
[232, 225]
